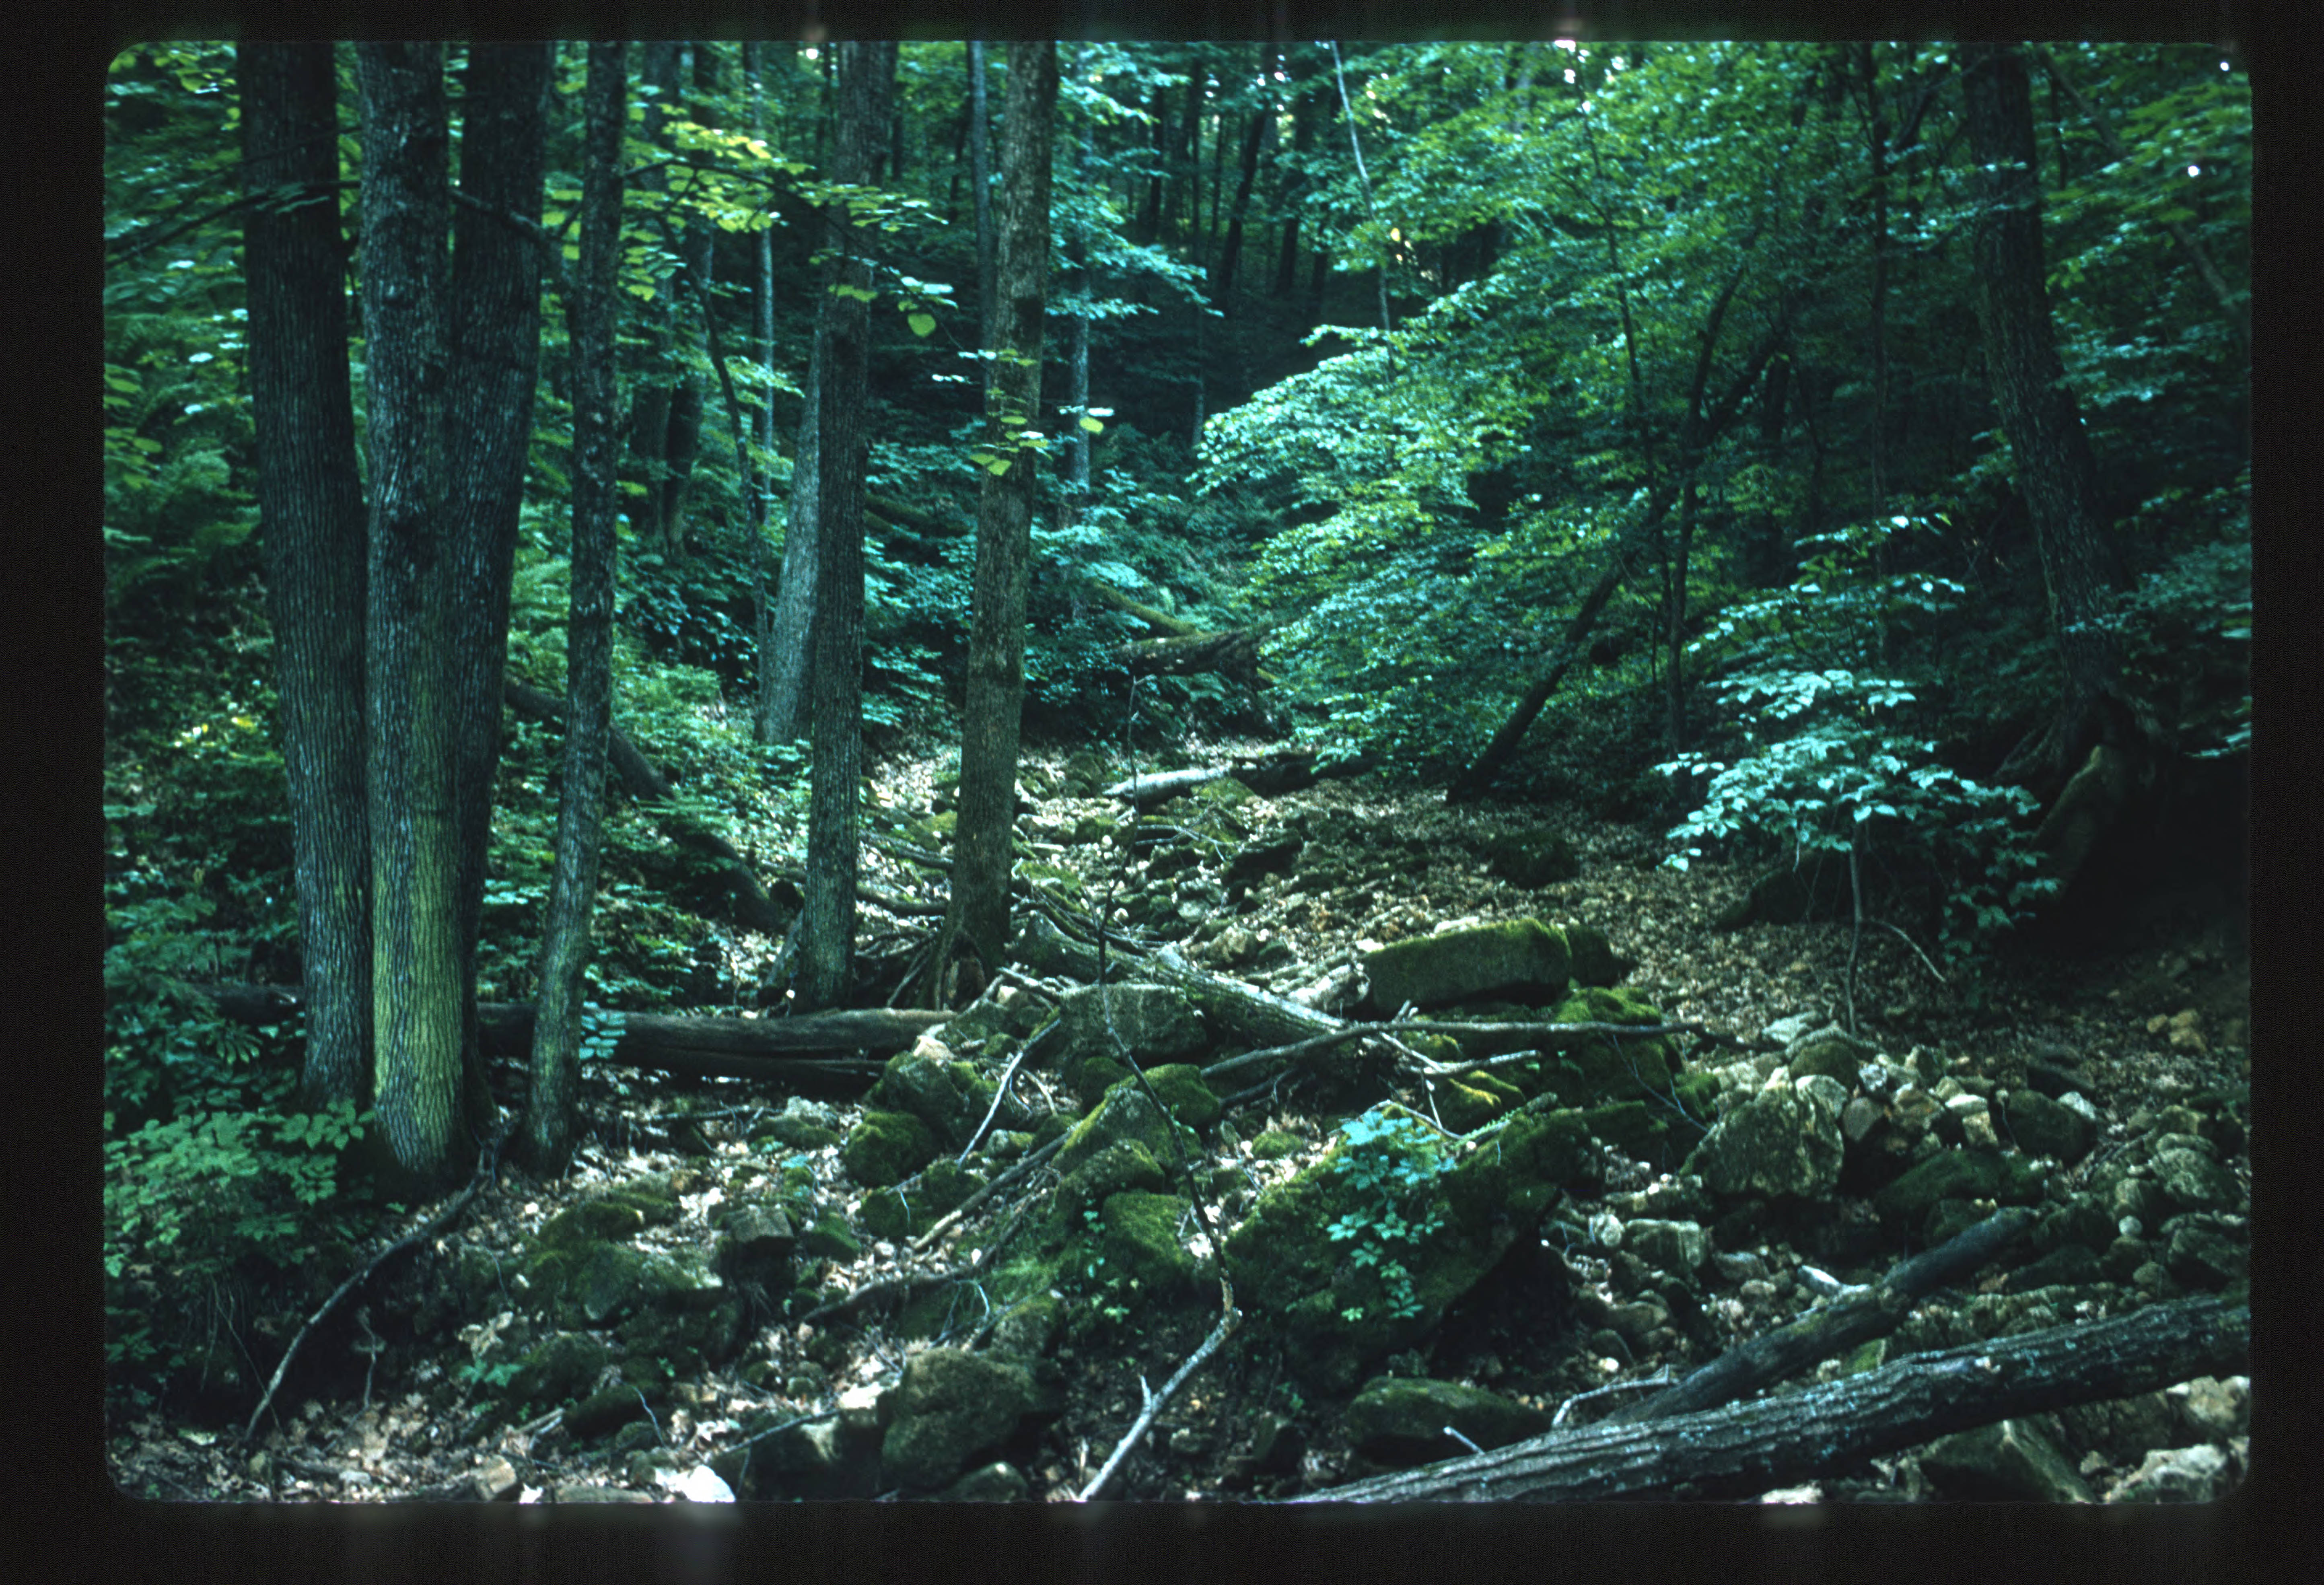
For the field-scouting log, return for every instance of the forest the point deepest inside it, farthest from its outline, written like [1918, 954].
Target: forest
[1250, 771]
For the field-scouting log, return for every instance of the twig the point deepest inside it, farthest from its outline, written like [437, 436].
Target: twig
[1551, 1034]
[945, 1222]
[426, 1230]
[1917, 953]
[1660, 1378]
[1000, 1092]
[1154, 1402]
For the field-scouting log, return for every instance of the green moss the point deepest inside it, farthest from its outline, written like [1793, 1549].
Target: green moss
[886, 1147]
[1475, 1099]
[830, 1238]
[1431, 970]
[1274, 1145]
[1140, 1244]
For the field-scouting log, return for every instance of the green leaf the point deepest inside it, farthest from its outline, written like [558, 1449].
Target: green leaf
[1093, 425]
[923, 323]
[996, 466]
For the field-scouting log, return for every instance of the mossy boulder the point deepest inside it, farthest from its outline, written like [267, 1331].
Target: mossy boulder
[1831, 1052]
[1540, 856]
[892, 1213]
[886, 1147]
[950, 1409]
[1410, 1420]
[1785, 1141]
[2043, 1126]
[1595, 961]
[556, 1370]
[1125, 1114]
[1335, 1312]
[1136, 1246]
[1120, 1165]
[1519, 957]
[1159, 1023]
[621, 1212]
[1959, 1175]
[950, 1096]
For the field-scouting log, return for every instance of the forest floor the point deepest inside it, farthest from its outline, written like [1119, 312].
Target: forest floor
[2155, 1009]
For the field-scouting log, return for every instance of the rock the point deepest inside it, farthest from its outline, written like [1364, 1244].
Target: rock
[556, 1370]
[2213, 1408]
[1961, 1174]
[2122, 1430]
[1116, 1166]
[1401, 1421]
[575, 1492]
[1159, 1023]
[1675, 1246]
[2206, 1252]
[2053, 1080]
[1260, 860]
[2011, 1461]
[949, 1407]
[1784, 1140]
[756, 1245]
[1540, 856]
[2187, 1474]
[2189, 1179]
[886, 1147]
[1830, 1051]
[1816, 889]
[1595, 961]
[495, 1481]
[1857, 1118]
[801, 1125]
[2043, 1126]
[994, 1482]
[950, 1096]
[2068, 1264]
[1523, 955]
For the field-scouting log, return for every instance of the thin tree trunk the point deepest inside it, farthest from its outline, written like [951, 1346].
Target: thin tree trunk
[2049, 453]
[495, 366]
[981, 157]
[1223, 272]
[1363, 179]
[312, 532]
[825, 938]
[416, 996]
[550, 1106]
[977, 917]
[763, 588]
[793, 637]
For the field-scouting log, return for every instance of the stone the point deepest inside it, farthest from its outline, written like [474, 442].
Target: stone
[2213, 1408]
[2189, 1474]
[1783, 1141]
[886, 1147]
[1401, 1421]
[2010, 1462]
[949, 1407]
[1675, 1246]
[1830, 1051]
[2042, 1126]
[1595, 961]
[1521, 957]
[1159, 1023]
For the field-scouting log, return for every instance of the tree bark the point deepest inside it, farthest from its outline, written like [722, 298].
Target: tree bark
[547, 1139]
[977, 916]
[1224, 270]
[495, 366]
[762, 588]
[825, 941]
[1755, 1447]
[416, 996]
[783, 714]
[311, 511]
[2050, 454]
[979, 124]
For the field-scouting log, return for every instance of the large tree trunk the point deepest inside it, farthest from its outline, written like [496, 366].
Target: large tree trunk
[416, 996]
[977, 919]
[826, 936]
[547, 1143]
[2050, 454]
[496, 363]
[311, 512]
[762, 588]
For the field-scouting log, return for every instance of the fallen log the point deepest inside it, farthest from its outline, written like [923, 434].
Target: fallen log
[1746, 1449]
[1234, 653]
[1279, 770]
[838, 1051]
[1233, 1008]
[1832, 1330]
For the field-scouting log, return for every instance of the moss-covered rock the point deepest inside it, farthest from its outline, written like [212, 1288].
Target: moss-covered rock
[557, 1369]
[1595, 961]
[1520, 956]
[1831, 1052]
[1159, 1023]
[1120, 1165]
[1274, 1145]
[1124, 1114]
[2043, 1126]
[1138, 1245]
[1408, 1420]
[829, 1238]
[950, 1408]
[950, 1096]
[1784, 1141]
[886, 1147]
[1959, 1175]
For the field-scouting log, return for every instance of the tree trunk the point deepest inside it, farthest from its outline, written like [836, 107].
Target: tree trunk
[762, 588]
[1223, 272]
[825, 938]
[2050, 454]
[656, 420]
[783, 708]
[550, 1111]
[1291, 191]
[311, 508]
[977, 917]
[979, 124]
[415, 995]
[495, 366]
